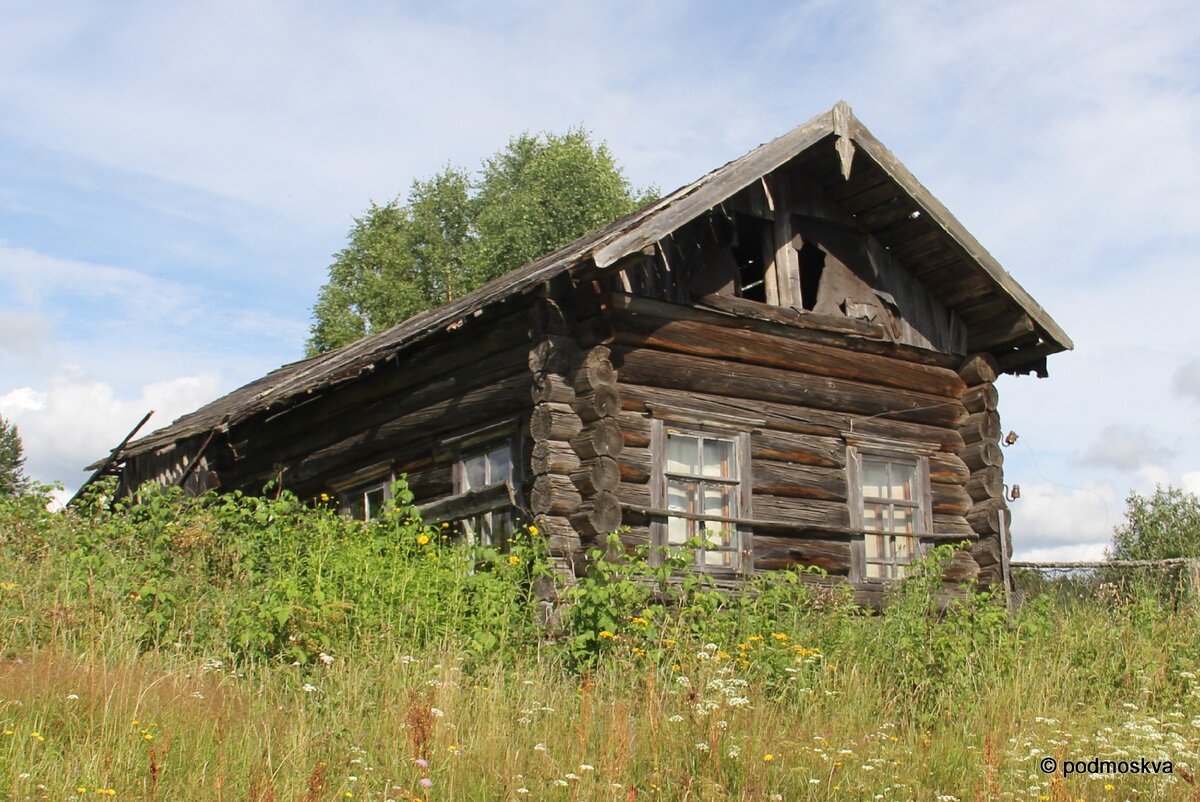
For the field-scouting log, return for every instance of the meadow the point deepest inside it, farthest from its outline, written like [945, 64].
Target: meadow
[236, 648]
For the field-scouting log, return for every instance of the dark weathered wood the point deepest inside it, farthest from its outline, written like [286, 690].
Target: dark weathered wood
[984, 454]
[595, 370]
[634, 464]
[787, 316]
[596, 475]
[553, 456]
[601, 438]
[987, 551]
[1001, 331]
[986, 483]
[805, 449]
[597, 518]
[622, 305]
[949, 499]
[554, 495]
[962, 568]
[551, 388]
[948, 468]
[984, 516]
[949, 526]
[472, 502]
[431, 481]
[755, 383]
[706, 339]
[546, 316]
[978, 369]
[798, 481]
[981, 398]
[554, 422]
[981, 426]
[599, 402]
[561, 537]
[774, 553]
[552, 354]
[789, 417]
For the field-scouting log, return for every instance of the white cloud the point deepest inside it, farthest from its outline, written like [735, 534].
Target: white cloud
[1075, 552]
[78, 419]
[1186, 380]
[1072, 520]
[1125, 448]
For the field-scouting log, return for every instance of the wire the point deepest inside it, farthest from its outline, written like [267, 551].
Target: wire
[1048, 480]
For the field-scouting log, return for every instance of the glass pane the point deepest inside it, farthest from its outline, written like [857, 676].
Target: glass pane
[719, 459]
[678, 531]
[474, 472]
[874, 478]
[874, 547]
[374, 502]
[875, 517]
[719, 558]
[681, 495]
[874, 571]
[904, 481]
[719, 500]
[903, 519]
[357, 507]
[905, 549]
[683, 454]
[502, 528]
[499, 465]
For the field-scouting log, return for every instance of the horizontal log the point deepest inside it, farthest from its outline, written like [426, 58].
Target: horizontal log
[472, 502]
[978, 369]
[756, 348]
[984, 517]
[981, 398]
[949, 499]
[962, 568]
[596, 519]
[984, 454]
[595, 369]
[635, 427]
[431, 481]
[554, 422]
[596, 475]
[771, 512]
[554, 495]
[948, 468]
[787, 316]
[981, 426]
[755, 383]
[553, 456]
[797, 481]
[788, 417]
[561, 537]
[551, 388]
[805, 449]
[775, 553]
[951, 526]
[601, 401]
[601, 438]
[986, 483]
[986, 551]
[1004, 331]
[634, 465]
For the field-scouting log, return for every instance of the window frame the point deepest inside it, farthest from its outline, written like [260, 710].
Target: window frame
[891, 566]
[483, 532]
[740, 550]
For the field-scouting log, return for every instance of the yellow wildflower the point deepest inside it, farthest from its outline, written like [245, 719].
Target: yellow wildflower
[767, 758]
[533, 530]
[637, 619]
[422, 540]
[604, 633]
[148, 737]
[81, 790]
[754, 638]
[325, 497]
[779, 636]
[514, 559]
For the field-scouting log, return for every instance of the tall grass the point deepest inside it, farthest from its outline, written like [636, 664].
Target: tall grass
[248, 649]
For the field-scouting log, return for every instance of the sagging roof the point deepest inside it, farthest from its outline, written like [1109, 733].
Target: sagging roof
[834, 147]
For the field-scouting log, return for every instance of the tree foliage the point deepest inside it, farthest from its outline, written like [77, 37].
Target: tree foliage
[1159, 527]
[453, 233]
[12, 461]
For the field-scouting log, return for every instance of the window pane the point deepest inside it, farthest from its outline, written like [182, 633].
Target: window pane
[683, 454]
[874, 547]
[357, 507]
[499, 465]
[719, 558]
[475, 472]
[902, 519]
[874, 478]
[719, 500]
[719, 459]
[374, 502]
[874, 571]
[904, 481]
[905, 549]
[681, 495]
[875, 517]
[678, 531]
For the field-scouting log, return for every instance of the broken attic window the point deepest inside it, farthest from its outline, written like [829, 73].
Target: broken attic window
[749, 253]
[812, 266]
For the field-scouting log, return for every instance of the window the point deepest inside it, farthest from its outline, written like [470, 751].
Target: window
[477, 471]
[701, 478]
[365, 503]
[890, 504]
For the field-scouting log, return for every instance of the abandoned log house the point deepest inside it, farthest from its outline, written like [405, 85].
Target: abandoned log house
[790, 361]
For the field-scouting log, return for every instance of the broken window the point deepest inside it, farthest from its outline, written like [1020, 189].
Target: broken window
[750, 249]
[812, 266]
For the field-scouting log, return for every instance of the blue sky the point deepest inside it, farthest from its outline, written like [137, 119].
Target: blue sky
[174, 178]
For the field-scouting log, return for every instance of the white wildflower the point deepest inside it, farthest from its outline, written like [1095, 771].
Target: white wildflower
[327, 659]
[308, 687]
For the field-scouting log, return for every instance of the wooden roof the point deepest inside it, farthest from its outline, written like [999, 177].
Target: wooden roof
[834, 147]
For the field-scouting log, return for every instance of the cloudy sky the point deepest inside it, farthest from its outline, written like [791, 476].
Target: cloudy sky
[174, 178]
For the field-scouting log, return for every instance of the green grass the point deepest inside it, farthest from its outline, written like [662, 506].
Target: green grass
[173, 651]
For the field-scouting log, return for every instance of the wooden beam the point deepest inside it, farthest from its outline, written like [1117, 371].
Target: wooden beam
[472, 502]
[112, 458]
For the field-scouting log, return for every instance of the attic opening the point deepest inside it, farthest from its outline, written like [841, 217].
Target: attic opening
[812, 267]
[749, 249]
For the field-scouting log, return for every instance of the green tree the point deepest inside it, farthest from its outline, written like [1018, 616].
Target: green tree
[13, 481]
[1159, 527]
[453, 234]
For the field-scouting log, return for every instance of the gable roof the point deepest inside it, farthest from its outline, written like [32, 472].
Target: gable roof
[856, 170]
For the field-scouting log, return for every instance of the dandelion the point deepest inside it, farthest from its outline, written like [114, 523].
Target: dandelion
[533, 530]
[637, 619]
[604, 633]
[148, 737]
[514, 559]
[325, 497]
[767, 758]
